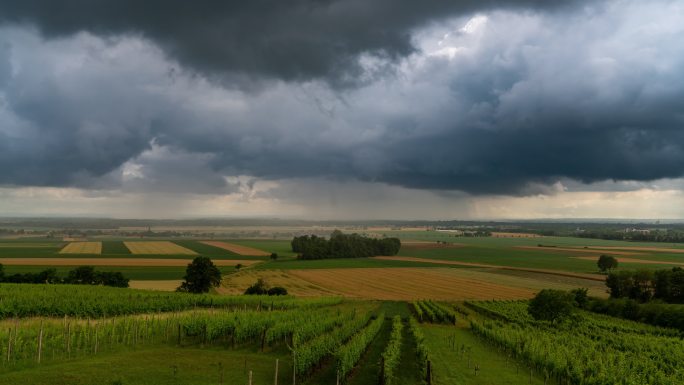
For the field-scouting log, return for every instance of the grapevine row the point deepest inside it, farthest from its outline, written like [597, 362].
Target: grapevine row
[392, 353]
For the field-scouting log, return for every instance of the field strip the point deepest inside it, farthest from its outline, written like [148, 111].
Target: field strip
[236, 284]
[114, 262]
[637, 260]
[162, 285]
[425, 245]
[27, 246]
[639, 248]
[573, 249]
[82, 248]
[237, 249]
[499, 234]
[591, 277]
[409, 283]
[158, 247]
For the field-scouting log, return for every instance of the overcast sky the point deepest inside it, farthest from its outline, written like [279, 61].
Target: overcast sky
[350, 109]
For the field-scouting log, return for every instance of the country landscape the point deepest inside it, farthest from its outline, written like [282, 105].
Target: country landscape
[341, 192]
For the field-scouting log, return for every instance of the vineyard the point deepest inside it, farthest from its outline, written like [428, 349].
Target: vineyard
[589, 349]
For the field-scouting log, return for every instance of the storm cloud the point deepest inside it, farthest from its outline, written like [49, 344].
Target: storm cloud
[502, 98]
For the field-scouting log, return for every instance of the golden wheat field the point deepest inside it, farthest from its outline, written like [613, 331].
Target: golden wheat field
[158, 247]
[236, 284]
[410, 284]
[82, 248]
[237, 249]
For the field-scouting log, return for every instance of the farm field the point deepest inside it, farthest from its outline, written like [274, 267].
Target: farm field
[158, 248]
[115, 262]
[237, 249]
[82, 248]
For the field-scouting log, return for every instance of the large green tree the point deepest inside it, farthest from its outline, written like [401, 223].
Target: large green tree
[552, 305]
[606, 263]
[200, 276]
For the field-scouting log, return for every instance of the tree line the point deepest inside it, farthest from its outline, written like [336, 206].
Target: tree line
[82, 275]
[645, 285]
[342, 245]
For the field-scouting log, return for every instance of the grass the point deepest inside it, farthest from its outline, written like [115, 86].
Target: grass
[451, 366]
[159, 366]
[115, 247]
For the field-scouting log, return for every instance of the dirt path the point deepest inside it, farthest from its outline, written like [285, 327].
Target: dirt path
[591, 277]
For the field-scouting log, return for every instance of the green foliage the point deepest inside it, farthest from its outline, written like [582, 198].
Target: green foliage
[260, 287]
[581, 297]
[27, 300]
[342, 245]
[594, 350]
[659, 314]
[606, 263]
[422, 351]
[552, 305]
[200, 276]
[392, 353]
[429, 311]
[82, 275]
[349, 354]
[637, 284]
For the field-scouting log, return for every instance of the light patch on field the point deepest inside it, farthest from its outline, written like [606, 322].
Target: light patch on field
[497, 234]
[236, 284]
[115, 262]
[237, 249]
[637, 260]
[573, 250]
[163, 285]
[158, 248]
[410, 284]
[82, 248]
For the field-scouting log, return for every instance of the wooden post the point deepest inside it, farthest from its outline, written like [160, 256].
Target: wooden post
[530, 374]
[40, 341]
[294, 368]
[96, 330]
[9, 344]
[68, 344]
[275, 380]
[250, 377]
[428, 374]
[338, 377]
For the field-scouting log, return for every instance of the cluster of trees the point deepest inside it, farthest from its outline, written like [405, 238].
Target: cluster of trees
[654, 313]
[83, 275]
[262, 288]
[666, 236]
[644, 285]
[342, 245]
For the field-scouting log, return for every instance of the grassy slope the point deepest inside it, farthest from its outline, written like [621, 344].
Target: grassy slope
[156, 366]
[451, 367]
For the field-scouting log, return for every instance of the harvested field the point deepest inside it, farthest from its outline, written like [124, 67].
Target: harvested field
[637, 260]
[236, 284]
[639, 248]
[424, 245]
[114, 262]
[237, 249]
[82, 248]
[591, 277]
[158, 247]
[497, 234]
[575, 250]
[165, 285]
[409, 284]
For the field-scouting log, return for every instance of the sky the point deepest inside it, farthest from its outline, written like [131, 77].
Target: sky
[342, 109]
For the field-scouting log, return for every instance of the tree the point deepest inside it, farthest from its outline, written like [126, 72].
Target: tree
[552, 305]
[606, 263]
[258, 288]
[277, 290]
[238, 266]
[274, 256]
[200, 276]
[82, 275]
[581, 297]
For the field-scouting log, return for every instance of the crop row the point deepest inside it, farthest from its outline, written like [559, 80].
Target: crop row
[350, 353]
[25, 300]
[429, 311]
[422, 351]
[392, 353]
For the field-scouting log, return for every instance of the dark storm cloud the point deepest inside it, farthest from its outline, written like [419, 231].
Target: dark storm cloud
[290, 40]
[502, 105]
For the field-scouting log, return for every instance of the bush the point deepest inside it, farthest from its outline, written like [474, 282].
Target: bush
[552, 305]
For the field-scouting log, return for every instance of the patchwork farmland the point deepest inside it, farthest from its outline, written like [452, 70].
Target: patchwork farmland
[455, 273]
